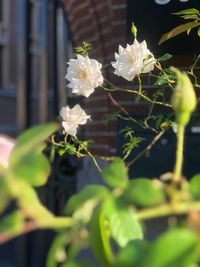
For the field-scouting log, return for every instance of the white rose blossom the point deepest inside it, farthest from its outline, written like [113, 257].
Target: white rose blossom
[133, 60]
[72, 118]
[6, 146]
[84, 75]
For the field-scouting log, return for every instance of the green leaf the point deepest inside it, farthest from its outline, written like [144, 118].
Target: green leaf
[31, 139]
[191, 16]
[96, 192]
[122, 221]
[187, 11]
[195, 186]
[34, 168]
[175, 248]
[165, 57]
[4, 196]
[99, 238]
[144, 192]
[131, 254]
[12, 223]
[178, 30]
[115, 174]
[198, 32]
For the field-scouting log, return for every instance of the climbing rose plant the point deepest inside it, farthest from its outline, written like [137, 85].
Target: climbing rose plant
[110, 219]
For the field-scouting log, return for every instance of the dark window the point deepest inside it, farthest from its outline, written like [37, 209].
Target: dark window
[153, 20]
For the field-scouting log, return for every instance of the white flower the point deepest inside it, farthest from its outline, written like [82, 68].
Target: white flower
[84, 75]
[133, 60]
[72, 118]
[6, 146]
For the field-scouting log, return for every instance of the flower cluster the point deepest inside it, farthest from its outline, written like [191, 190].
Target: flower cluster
[84, 75]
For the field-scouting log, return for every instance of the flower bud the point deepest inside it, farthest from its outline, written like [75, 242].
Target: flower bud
[184, 98]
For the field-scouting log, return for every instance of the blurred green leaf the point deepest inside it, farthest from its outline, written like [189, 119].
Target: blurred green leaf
[4, 196]
[34, 168]
[12, 223]
[165, 57]
[97, 192]
[116, 174]
[131, 254]
[174, 248]
[30, 139]
[178, 30]
[198, 32]
[144, 192]
[195, 186]
[122, 221]
[99, 238]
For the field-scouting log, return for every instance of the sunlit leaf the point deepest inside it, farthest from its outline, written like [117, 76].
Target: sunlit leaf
[178, 30]
[187, 11]
[122, 221]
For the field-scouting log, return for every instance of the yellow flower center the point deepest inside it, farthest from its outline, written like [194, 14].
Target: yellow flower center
[83, 74]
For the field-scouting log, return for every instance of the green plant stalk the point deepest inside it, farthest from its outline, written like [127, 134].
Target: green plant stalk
[167, 210]
[179, 154]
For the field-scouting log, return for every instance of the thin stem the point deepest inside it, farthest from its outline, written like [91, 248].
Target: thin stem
[140, 85]
[179, 154]
[140, 123]
[55, 223]
[166, 210]
[28, 227]
[137, 93]
[89, 153]
[146, 149]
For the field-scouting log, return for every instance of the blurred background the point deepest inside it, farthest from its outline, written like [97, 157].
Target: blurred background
[37, 38]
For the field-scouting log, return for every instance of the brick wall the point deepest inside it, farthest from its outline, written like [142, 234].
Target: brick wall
[103, 24]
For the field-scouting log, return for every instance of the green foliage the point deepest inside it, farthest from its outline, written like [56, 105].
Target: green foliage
[95, 192]
[132, 142]
[122, 221]
[83, 49]
[176, 247]
[12, 223]
[195, 186]
[99, 238]
[187, 14]
[143, 192]
[115, 175]
[165, 57]
[166, 77]
[31, 140]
